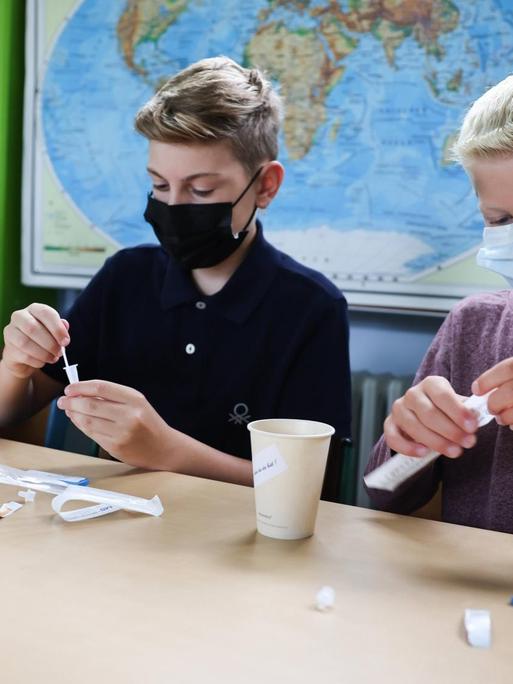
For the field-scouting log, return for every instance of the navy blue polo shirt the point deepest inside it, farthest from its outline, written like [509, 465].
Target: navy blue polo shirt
[273, 343]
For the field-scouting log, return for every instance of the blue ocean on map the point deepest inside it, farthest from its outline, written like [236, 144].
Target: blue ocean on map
[375, 166]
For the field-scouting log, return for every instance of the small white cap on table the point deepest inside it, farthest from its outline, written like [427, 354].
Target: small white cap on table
[27, 494]
[325, 598]
[478, 625]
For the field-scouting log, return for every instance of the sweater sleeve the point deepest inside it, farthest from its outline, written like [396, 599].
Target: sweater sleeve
[420, 488]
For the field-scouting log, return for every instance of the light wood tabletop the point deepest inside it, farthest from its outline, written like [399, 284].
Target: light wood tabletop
[198, 596]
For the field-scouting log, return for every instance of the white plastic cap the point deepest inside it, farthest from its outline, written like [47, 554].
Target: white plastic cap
[325, 598]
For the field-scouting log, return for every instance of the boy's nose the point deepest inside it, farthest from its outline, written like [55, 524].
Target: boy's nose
[175, 197]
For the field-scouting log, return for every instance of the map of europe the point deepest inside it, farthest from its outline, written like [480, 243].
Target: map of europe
[374, 90]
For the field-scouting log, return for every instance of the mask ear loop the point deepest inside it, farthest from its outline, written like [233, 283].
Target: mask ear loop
[243, 230]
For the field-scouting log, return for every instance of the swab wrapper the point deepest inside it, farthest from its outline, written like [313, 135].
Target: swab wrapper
[391, 474]
[69, 488]
[40, 480]
[107, 502]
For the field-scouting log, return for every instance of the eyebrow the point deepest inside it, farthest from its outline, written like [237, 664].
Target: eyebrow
[187, 178]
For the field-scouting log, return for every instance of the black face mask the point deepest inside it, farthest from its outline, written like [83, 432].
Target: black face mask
[197, 235]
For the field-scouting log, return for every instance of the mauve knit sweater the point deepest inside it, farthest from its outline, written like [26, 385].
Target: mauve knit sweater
[477, 488]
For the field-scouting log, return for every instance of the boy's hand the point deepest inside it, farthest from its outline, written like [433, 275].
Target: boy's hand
[500, 403]
[121, 421]
[430, 417]
[33, 338]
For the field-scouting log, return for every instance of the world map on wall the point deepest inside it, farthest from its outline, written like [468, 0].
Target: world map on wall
[374, 92]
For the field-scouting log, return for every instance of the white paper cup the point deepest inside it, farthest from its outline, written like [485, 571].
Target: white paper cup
[289, 461]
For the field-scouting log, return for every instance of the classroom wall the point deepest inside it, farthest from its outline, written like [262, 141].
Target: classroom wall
[13, 295]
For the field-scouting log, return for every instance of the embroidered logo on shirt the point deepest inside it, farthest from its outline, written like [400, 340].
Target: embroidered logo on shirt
[240, 415]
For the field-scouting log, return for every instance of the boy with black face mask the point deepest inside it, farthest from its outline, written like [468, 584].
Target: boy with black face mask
[181, 344]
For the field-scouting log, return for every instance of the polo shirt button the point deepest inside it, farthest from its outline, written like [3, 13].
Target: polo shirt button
[190, 349]
[201, 305]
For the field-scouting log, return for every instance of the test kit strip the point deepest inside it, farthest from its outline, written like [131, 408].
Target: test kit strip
[389, 475]
[32, 478]
[41, 476]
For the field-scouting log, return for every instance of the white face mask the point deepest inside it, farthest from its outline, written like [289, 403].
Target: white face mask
[496, 254]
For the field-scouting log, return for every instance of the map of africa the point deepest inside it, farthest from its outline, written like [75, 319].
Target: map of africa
[374, 91]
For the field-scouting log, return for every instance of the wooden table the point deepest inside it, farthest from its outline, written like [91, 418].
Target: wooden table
[199, 596]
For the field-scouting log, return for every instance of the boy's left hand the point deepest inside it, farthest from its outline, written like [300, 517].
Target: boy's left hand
[121, 421]
[500, 403]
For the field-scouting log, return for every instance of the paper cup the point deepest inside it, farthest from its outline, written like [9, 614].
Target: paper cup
[289, 461]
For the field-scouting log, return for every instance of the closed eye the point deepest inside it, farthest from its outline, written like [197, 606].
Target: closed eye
[499, 222]
[201, 193]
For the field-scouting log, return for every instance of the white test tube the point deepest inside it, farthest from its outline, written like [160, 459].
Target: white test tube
[71, 371]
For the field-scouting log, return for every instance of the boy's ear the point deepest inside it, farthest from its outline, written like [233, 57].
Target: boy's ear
[269, 182]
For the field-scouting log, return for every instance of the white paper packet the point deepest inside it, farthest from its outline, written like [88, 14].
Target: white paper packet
[389, 475]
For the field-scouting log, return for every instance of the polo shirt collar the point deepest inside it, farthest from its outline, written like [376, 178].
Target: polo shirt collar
[241, 294]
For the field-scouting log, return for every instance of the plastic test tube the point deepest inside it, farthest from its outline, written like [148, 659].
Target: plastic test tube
[71, 371]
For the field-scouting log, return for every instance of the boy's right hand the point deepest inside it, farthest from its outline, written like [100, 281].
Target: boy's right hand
[33, 338]
[430, 417]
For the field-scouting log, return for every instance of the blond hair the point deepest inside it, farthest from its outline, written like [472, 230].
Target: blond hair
[487, 128]
[216, 100]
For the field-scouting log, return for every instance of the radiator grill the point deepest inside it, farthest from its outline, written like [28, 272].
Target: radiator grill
[372, 399]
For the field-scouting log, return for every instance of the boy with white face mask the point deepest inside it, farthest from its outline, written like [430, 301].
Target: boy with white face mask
[496, 254]
[471, 354]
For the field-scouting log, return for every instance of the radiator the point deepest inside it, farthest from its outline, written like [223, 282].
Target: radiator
[372, 399]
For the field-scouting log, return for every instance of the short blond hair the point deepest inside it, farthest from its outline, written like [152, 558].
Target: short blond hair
[487, 128]
[216, 100]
